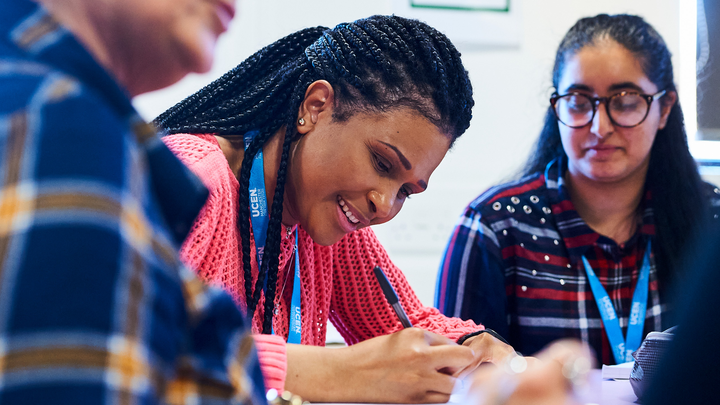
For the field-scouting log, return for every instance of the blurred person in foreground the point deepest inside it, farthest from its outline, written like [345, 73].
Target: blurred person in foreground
[95, 306]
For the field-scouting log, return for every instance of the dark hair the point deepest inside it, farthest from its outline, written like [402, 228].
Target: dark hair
[375, 65]
[678, 200]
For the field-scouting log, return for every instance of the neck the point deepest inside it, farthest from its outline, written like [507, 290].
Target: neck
[272, 155]
[610, 209]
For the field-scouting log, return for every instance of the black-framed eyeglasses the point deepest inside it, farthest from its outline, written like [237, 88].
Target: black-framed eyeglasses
[625, 109]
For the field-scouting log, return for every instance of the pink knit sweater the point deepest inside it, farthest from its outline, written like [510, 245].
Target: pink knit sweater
[337, 282]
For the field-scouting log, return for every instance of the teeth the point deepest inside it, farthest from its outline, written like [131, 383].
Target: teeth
[347, 212]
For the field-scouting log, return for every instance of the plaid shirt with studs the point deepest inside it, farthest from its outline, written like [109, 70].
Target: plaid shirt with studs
[514, 264]
[95, 306]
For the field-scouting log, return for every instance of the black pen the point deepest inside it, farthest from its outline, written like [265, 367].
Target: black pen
[391, 297]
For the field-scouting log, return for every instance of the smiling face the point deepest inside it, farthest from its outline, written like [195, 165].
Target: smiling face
[601, 151]
[349, 175]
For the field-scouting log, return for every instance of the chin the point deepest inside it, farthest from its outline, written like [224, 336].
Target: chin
[325, 238]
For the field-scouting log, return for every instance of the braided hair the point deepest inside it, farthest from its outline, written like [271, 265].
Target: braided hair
[375, 65]
[678, 200]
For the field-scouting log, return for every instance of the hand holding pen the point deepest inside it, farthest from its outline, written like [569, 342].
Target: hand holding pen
[392, 297]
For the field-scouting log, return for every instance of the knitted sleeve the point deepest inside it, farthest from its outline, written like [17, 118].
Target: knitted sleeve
[272, 355]
[358, 308]
[211, 248]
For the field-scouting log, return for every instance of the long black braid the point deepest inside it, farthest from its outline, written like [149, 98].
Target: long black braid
[375, 65]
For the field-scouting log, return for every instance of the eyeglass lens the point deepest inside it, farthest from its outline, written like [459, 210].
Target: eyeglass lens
[576, 110]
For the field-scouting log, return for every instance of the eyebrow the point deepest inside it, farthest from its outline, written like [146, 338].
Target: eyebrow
[403, 159]
[626, 85]
[614, 87]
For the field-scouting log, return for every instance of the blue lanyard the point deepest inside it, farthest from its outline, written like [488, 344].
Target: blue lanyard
[259, 216]
[295, 331]
[258, 200]
[622, 348]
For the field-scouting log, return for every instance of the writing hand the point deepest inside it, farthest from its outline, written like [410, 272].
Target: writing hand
[408, 366]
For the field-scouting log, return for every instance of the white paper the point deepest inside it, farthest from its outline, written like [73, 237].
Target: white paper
[618, 371]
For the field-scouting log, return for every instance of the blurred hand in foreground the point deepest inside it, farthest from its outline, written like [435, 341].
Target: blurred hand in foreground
[552, 378]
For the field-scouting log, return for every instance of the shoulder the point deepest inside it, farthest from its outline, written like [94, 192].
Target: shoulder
[507, 197]
[192, 148]
[41, 92]
[62, 129]
[204, 157]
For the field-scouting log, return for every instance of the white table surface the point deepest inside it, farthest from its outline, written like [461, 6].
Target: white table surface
[601, 392]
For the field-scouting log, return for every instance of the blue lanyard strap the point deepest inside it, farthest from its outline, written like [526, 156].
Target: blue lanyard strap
[294, 333]
[259, 216]
[623, 348]
[258, 200]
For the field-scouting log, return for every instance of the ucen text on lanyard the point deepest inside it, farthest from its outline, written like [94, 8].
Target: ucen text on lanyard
[622, 348]
[259, 215]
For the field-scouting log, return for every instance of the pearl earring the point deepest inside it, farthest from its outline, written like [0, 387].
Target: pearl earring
[301, 121]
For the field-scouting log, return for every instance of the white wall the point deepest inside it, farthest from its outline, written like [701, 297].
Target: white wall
[511, 87]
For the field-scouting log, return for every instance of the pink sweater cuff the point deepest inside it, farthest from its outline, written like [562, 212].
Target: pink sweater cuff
[273, 360]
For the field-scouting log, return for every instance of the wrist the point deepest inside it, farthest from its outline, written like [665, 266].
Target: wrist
[465, 338]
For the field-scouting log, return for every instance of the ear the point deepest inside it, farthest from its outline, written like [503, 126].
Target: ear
[318, 102]
[666, 104]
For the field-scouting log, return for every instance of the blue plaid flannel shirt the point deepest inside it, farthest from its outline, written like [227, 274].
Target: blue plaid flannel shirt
[95, 306]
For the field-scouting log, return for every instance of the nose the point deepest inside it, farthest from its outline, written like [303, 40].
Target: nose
[601, 124]
[381, 204]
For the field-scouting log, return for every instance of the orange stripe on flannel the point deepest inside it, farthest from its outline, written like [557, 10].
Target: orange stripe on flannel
[144, 131]
[49, 357]
[238, 370]
[15, 146]
[188, 384]
[37, 31]
[165, 251]
[136, 292]
[85, 202]
[127, 364]
[12, 201]
[61, 88]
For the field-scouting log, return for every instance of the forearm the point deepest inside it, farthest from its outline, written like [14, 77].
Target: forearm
[319, 374]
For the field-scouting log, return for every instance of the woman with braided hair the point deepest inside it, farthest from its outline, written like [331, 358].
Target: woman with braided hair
[332, 129]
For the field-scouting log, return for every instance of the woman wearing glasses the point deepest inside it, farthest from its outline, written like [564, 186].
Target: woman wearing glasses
[584, 244]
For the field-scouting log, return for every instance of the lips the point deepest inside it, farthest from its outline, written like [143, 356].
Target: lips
[602, 151]
[350, 218]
